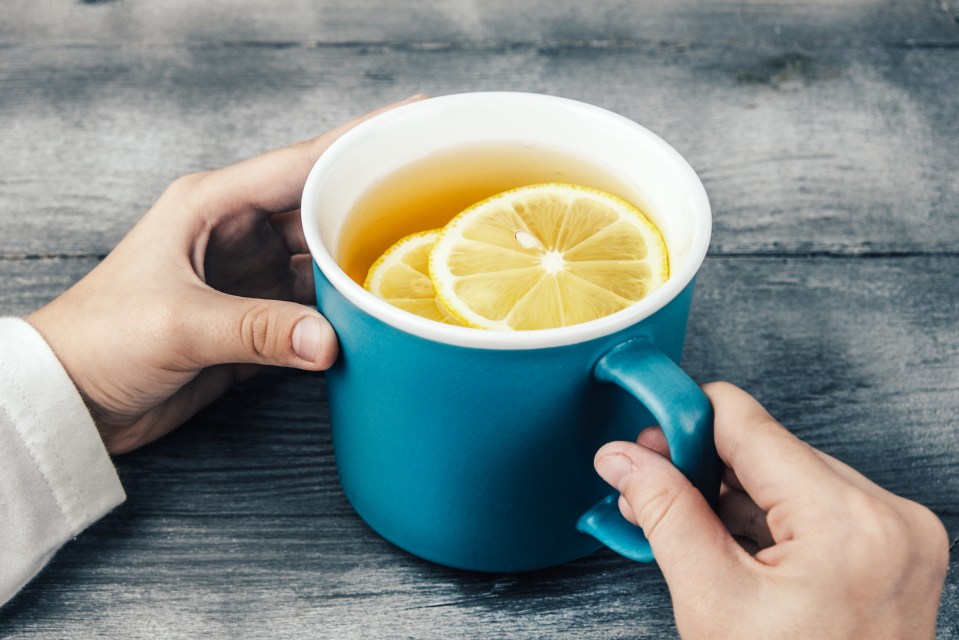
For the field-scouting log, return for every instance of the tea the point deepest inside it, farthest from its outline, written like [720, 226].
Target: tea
[428, 193]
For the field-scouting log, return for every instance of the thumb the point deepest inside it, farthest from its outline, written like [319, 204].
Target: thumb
[232, 329]
[691, 545]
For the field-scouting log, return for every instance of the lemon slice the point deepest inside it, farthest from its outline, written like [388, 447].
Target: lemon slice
[401, 277]
[545, 256]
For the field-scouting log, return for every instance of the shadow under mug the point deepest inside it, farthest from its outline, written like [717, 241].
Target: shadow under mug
[472, 448]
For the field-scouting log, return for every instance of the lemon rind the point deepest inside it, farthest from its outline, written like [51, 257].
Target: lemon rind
[393, 255]
[466, 315]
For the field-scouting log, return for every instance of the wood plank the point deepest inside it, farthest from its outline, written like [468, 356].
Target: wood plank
[857, 356]
[837, 150]
[487, 21]
[235, 526]
[824, 131]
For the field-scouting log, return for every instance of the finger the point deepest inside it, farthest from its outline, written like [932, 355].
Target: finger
[231, 329]
[687, 538]
[304, 290]
[627, 510]
[743, 517]
[206, 387]
[273, 182]
[290, 229]
[748, 545]
[771, 464]
[654, 438]
[730, 479]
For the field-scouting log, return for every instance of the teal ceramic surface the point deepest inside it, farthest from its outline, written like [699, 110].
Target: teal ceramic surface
[474, 448]
[482, 458]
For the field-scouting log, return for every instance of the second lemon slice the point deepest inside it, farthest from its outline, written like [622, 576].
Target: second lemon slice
[400, 276]
[545, 256]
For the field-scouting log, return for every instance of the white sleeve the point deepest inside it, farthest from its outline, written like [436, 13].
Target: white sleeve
[56, 477]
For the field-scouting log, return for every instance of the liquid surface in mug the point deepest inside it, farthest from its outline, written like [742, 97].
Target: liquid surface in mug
[428, 193]
[544, 240]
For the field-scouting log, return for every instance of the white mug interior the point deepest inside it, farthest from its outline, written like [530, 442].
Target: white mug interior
[653, 172]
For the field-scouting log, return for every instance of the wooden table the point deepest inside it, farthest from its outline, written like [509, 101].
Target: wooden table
[826, 133]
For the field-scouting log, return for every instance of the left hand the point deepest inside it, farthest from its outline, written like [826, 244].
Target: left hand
[211, 282]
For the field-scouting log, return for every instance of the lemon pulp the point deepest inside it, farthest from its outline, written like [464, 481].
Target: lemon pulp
[545, 256]
[401, 277]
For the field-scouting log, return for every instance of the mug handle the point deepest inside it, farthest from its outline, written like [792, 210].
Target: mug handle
[686, 418]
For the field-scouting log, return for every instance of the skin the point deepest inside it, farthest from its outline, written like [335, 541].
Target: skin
[802, 545]
[215, 281]
[212, 283]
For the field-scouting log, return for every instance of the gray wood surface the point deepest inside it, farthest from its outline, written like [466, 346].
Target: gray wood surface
[826, 134]
[836, 149]
[498, 22]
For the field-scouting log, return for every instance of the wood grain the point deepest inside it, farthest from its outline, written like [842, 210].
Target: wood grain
[235, 525]
[838, 150]
[825, 133]
[499, 22]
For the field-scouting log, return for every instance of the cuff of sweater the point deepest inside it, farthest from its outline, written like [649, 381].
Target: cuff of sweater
[55, 426]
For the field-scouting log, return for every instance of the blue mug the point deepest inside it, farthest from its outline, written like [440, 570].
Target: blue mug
[473, 448]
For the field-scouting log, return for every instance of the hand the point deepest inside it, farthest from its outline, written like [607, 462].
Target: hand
[211, 282]
[803, 545]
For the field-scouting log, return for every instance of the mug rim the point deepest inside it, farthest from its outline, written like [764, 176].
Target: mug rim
[504, 340]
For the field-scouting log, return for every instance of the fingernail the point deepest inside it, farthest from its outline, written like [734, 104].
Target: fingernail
[307, 338]
[614, 469]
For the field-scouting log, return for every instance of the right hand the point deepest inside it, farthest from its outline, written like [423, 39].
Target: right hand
[803, 546]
